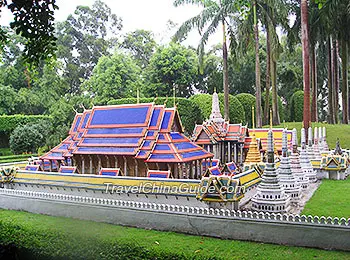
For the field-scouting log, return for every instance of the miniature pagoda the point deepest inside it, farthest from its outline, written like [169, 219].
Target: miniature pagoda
[305, 161]
[134, 137]
[295, 163]
[310, 149]
[224, 140]
[285, 174]
[324, 141]
[316, 147]
[270, 196]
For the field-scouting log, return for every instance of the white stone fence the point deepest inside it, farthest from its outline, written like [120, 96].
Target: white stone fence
[177, 209]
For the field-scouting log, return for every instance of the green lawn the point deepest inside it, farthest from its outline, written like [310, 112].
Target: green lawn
[333, 132]
[48, 237]
[5, 151]
[330, 199]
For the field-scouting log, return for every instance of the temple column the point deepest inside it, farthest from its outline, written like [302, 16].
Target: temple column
[107, 160]
[201, 167]
[50, 165]
[147, 166]
[82, 165]
[193, 170]
[235, 152]
[157, 164]
[241, 150]
[136, 168]
[115, 161]
[99, 166]
[184, 171]
[90, 162]
[176, 172]
[210, 162]
[125, 166]
[229, 152]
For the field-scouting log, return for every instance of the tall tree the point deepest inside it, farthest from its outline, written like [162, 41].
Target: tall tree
[141, 45]
[83, 38]
[306, 61]
[213, 15]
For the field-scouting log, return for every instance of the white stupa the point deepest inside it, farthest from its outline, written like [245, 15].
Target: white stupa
[325, 145]
[287, 179]
[215, 115]
[310, 148]
[305, 161]
[295, 163]
[270, 195]
[317, 154]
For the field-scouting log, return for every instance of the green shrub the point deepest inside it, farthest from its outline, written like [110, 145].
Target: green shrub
[297, 106]
[189, 111]
[9, 123]
[280, 105]
[28, 138]
[247, 101]
[236, 112]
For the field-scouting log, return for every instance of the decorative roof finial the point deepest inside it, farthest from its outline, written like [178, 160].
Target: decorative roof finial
[174, 93]
[285, 142]
[166, 100]
[270, 148]
[137, 96]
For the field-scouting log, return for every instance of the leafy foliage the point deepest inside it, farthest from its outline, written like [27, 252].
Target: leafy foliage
[28, 138]
[9, 122]
[7, 100]
[247, 101]
[172, 66]
[34, 20]
[141, 45]
[113, 77]
[204, 101]
[297, 106]
[83, 39]
[189, 112]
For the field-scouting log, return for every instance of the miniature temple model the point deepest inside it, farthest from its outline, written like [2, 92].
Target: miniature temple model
[134, 138]
[287, 179]
[295, 164]
[224, 140]
[270, 194]
[304, 159]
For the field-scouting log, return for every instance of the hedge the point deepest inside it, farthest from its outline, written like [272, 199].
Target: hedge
[189, 111]
[204, 101]
[281, 110]
[247, 101]
[297, 106]
[9, 123]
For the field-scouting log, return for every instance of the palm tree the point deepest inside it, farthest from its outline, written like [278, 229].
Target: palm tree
[306, 61]
[214, 13]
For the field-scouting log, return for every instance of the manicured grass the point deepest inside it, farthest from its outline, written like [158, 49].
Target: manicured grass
[330, 199]
[45, 236]
[333, 132]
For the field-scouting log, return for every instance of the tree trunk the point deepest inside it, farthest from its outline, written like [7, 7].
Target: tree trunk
[257, 71]
[345, 90]
[275, 115]
[314, 116]
[268, 73]
[335, 71]
[306, 62]
[331, 118]
[225, 72]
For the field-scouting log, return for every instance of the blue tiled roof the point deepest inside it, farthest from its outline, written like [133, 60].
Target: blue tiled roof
[162, 156]
[193, 154]
[99, 150]
[162, 147]
[120, 116]
[114, 131]
[166, 120]
[155, 116]
[116, 141]
[184, 146]
[77, 124]
[176, 136]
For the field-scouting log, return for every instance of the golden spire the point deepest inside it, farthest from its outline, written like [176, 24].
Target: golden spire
[174, 93]
[137, 96]
[166, 100]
